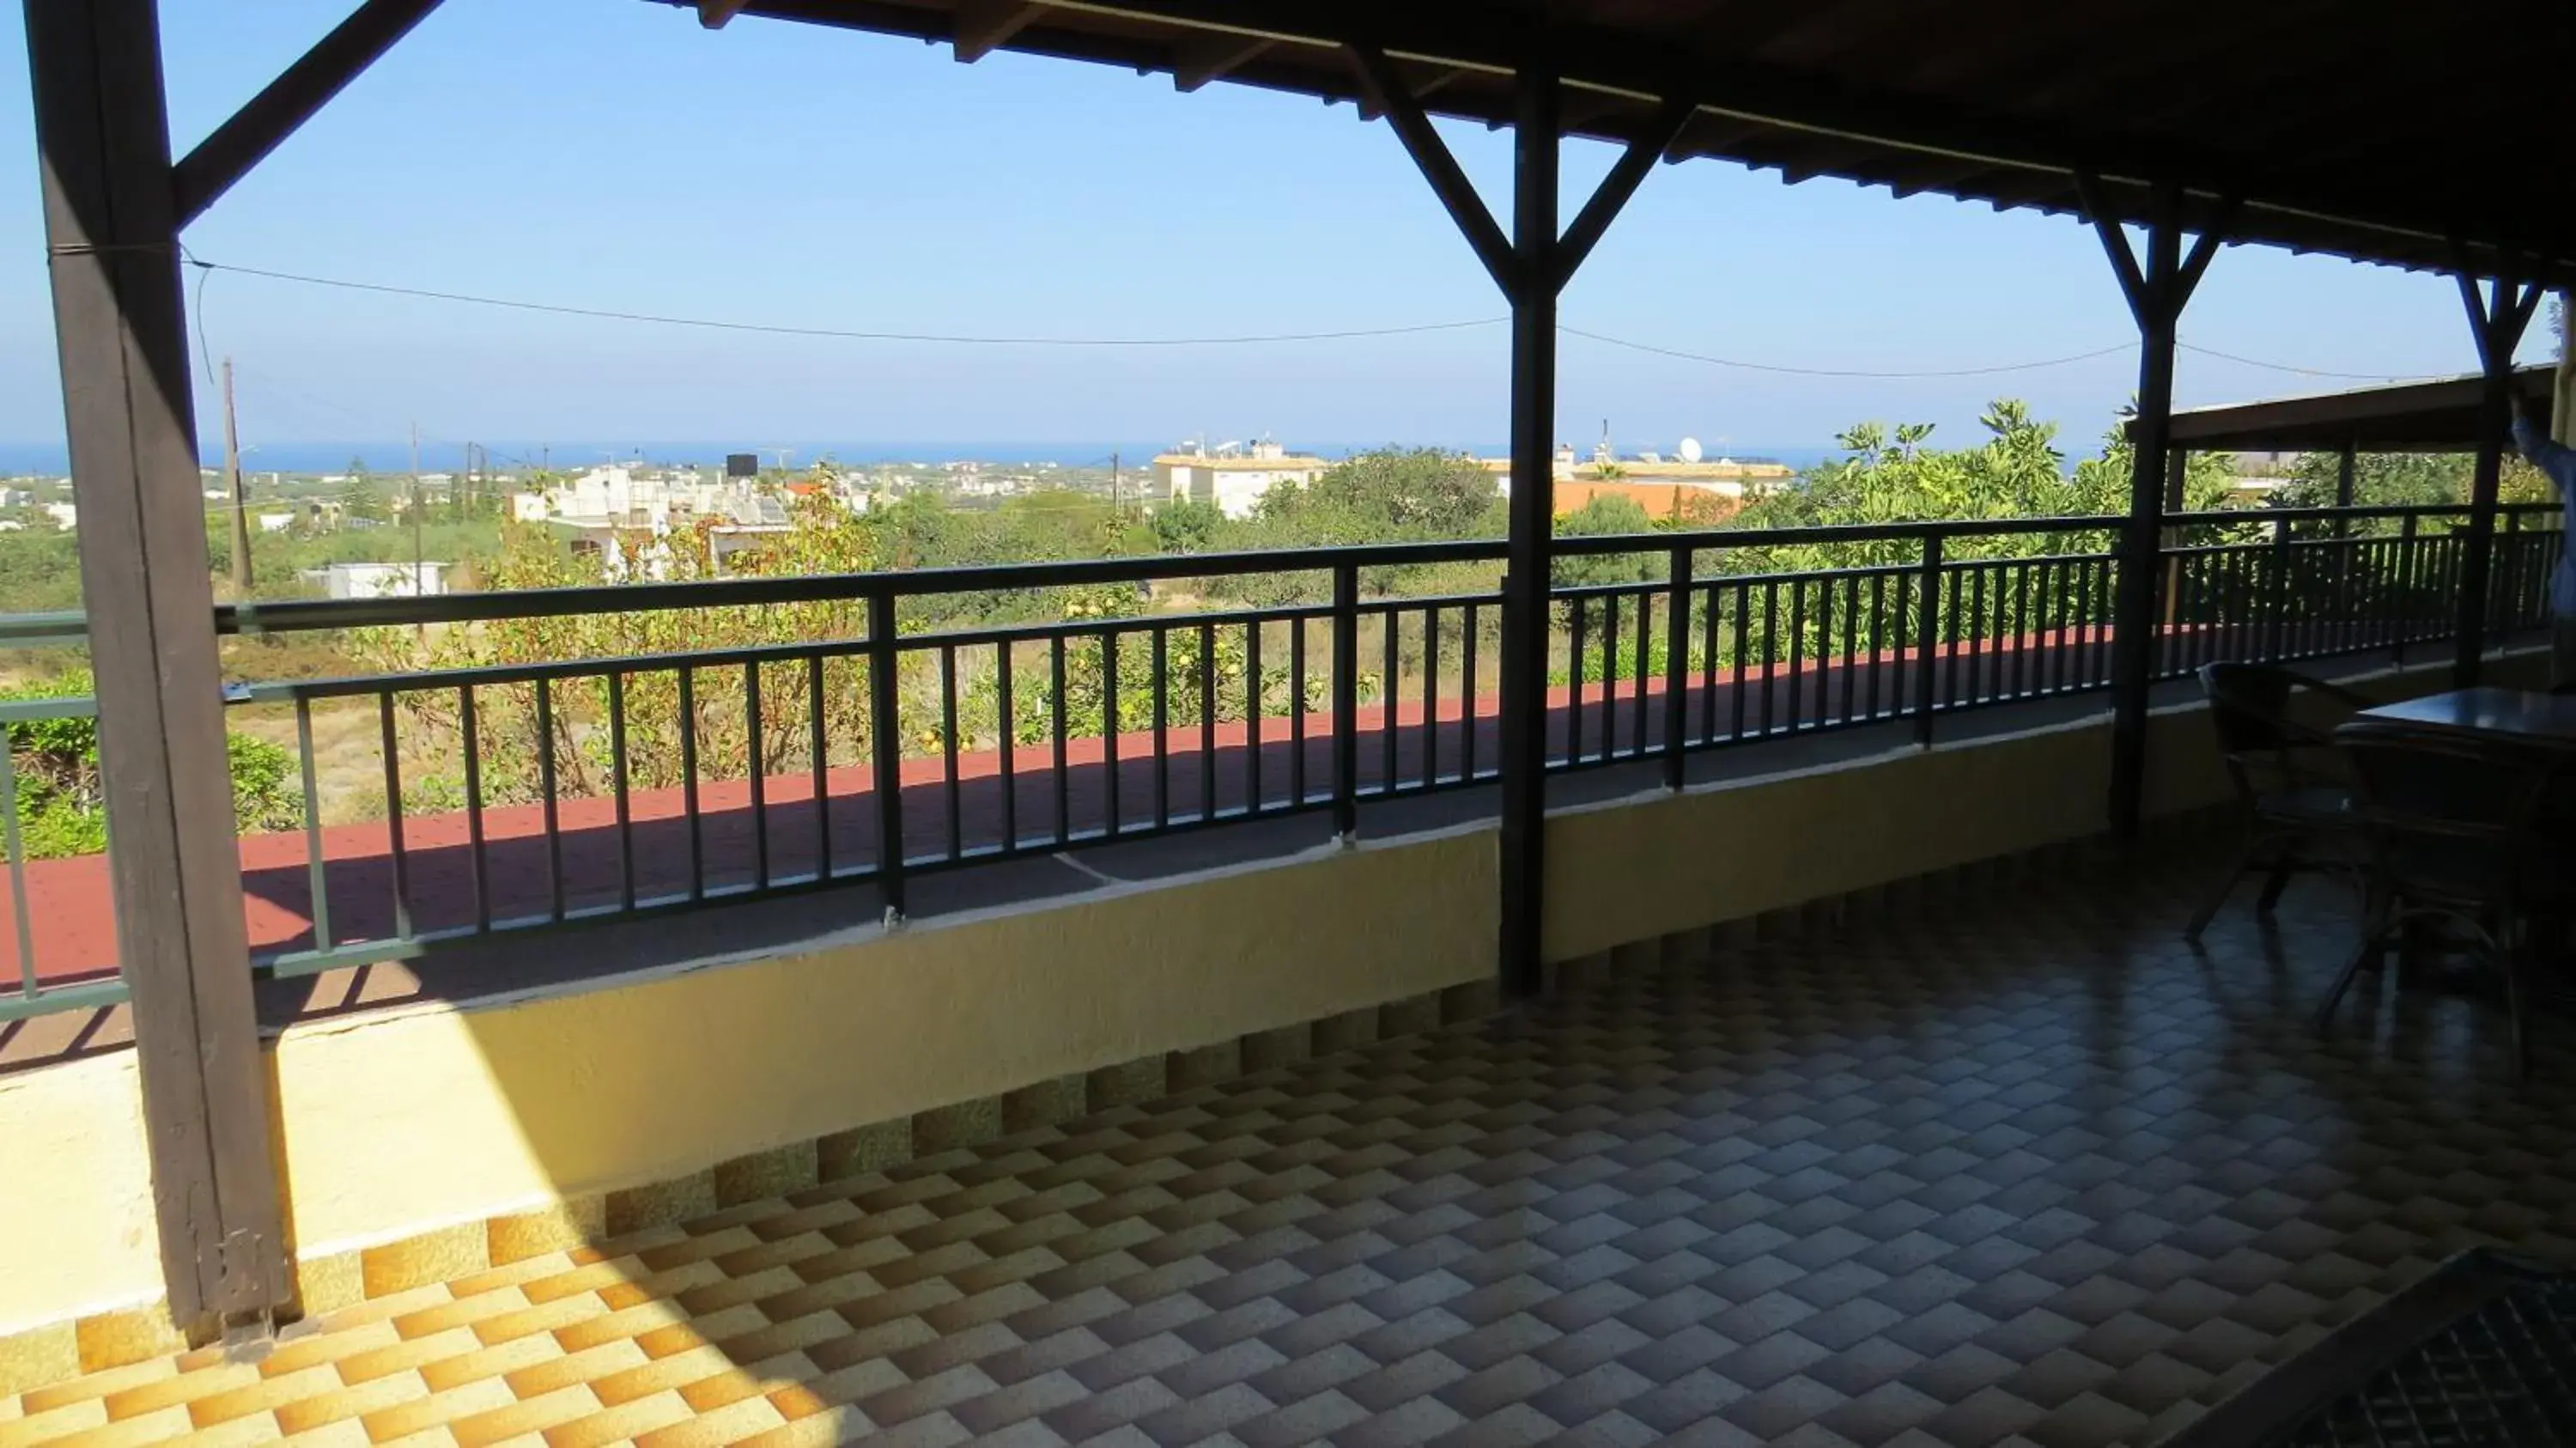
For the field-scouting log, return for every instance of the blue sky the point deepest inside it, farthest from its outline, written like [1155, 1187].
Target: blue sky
[610, 153]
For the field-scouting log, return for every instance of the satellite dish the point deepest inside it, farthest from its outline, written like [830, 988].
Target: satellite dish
[1690, 449]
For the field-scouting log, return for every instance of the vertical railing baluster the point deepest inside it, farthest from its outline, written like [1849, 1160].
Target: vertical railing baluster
[1574, 682]
[1253, 711]
[1207, 722]
[818, 744]
[1927, 657]
[1162, 728]
[952, 807]
[1770, 647]
[1005, 744]
[2283, 599]
[315, 863]
[1708, 665]
[546, 792]
[1056, 724]
[885, 749]
[1109, 725]
[1390, 700]
[469, 734]
[1737, 691]
[1975, 578]
[1877, 643]
[1297, 712]
[617, 773]
[1609, 676]
[1346, 701]
[1797, 653]
[757, 760]
[1431, 697]
[1677, 670]
[1467, 698]
[12, 840]
[2021, 642]
[394, 815]
[688, 685]
[1645, 671]
[1824, 651]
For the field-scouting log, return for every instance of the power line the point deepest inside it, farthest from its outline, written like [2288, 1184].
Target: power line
[206, 267]
[2301, 371]
[1840, 371]
[848, 334]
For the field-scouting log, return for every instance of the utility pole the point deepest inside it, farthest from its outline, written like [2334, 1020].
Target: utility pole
[233, 479]
[417, 567]
[1115, 506]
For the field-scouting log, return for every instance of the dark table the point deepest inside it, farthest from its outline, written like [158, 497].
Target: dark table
[2501, 714]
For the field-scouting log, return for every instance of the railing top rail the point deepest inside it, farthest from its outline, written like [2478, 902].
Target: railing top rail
[301, 615]
[36, 711]
[308, 614]
[1720, 539]
[2224, 516]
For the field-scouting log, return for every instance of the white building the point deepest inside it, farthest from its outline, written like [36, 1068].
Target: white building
[275, 522]
[65, 516]
[1232, 476]
[379, 580]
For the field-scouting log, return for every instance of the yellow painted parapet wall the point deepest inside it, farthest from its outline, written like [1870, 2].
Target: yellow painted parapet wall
[588, 1110]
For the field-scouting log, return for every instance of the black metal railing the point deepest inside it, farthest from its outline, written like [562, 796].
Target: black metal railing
[885, 740]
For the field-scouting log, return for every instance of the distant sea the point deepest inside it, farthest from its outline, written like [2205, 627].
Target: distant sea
[20, 459]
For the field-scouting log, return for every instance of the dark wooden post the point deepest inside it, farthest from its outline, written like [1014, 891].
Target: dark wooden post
[103, 141]
[1530, 267]
[1532, 537]
[2498, 320]
[2156, 293]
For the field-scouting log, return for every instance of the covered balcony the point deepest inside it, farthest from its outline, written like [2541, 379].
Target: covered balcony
[1723, 985]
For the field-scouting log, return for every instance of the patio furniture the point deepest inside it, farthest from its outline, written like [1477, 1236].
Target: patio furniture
[2453, 824]
[2289, 785]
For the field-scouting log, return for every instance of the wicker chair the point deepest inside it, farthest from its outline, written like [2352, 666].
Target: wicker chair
[2289, 785]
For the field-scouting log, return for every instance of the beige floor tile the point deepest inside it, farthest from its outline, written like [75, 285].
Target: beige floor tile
[179, 1389]
[534, 1415]
[438, 1410]
[615, 1425]
[407, 1356]
[349, 1404]
[162, 1427]
[567, 1369]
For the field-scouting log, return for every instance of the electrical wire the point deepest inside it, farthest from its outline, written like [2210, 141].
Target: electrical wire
[1738, 363]
[847, 334]
[2301, 371]
[206, 268]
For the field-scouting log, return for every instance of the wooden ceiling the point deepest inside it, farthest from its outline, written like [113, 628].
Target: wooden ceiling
[2413, 134]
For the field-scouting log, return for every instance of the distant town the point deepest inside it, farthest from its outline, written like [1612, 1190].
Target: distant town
[624, 511]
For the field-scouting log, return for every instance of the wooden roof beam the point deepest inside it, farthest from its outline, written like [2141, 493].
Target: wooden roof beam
[282, 107]
[1213, 57]
[984, 26]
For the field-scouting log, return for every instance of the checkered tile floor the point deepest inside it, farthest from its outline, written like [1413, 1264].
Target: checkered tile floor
[2022, 1169]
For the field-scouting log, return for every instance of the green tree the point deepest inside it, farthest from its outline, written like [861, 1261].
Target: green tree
[1606, 515]
[1186, 525]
